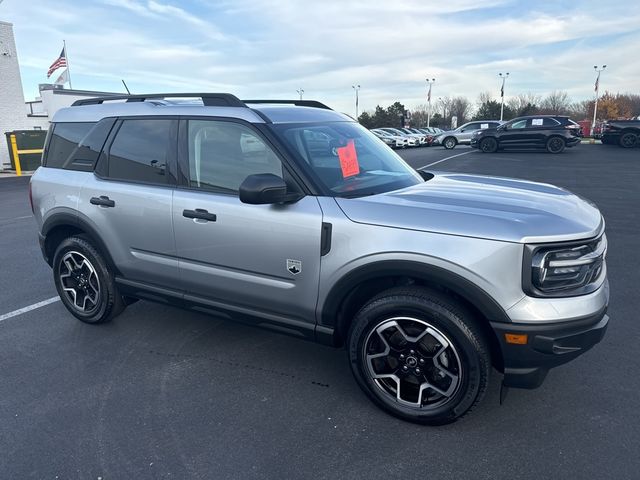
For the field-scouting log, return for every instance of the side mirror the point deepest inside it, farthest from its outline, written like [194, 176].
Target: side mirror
[502, 127]
[264, 189]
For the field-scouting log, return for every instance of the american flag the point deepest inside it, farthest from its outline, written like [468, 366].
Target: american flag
[597, 82]
[61, 62]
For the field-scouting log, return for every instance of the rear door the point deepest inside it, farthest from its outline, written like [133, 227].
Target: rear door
[540, 129]
[128, 199]
[257, 263]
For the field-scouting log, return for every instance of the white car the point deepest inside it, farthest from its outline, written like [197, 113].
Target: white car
[412, 140]
[394, 141]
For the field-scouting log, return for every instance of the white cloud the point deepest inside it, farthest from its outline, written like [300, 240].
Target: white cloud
[265, 48]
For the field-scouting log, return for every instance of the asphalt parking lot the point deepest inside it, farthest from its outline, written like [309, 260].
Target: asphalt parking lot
[164, 393]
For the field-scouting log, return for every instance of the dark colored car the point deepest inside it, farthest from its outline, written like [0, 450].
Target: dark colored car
[625, 133]
[551, 132]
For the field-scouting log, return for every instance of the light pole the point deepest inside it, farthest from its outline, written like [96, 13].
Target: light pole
[357, 89]
[430, 82]
[300, 92]
[595, 107]
[504, 79]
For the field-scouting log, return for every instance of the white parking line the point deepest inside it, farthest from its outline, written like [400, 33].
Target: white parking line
[448, 158]
[20, 311]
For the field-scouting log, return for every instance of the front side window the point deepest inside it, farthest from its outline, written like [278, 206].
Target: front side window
[347, 159]
[223, 154]
[140, 151]
[518, 124]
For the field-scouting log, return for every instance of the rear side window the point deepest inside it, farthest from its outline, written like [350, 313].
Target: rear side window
[65, 137]
[140, 151]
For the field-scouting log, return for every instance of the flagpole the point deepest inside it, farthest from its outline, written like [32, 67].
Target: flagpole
[66, 56]
[595, 107]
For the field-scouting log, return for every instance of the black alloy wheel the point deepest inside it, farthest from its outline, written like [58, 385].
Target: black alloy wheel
[556, 145]
[628, 140]
[419, 355]
[489, 145]
[85, 282]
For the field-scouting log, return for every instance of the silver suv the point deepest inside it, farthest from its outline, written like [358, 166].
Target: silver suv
[293, 217]
[462, 135]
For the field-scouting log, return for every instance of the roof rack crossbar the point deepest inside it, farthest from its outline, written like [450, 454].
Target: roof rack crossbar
[208, 99]
[297, 103]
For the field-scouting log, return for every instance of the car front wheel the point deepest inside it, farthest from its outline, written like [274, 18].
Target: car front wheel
[449, 143]
[628, 140]
[418, 355]
[85, 282]
[489, 145]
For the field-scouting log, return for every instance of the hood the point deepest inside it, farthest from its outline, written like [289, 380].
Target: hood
[484, 207]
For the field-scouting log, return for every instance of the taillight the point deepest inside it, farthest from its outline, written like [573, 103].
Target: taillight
[31, 198]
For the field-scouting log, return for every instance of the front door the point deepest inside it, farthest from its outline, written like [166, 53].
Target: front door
[251, 262]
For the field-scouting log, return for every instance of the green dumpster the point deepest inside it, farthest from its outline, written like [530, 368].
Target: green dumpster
[30, 144]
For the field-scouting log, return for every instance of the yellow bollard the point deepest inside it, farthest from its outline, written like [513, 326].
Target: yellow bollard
[16, 155]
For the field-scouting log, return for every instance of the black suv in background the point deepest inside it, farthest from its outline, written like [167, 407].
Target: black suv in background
[625, 133]
[552, 132]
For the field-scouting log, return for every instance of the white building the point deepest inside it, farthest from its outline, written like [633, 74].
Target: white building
[12, 109]
[15, 113]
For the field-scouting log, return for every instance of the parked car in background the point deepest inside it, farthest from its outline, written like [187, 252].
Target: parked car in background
[552, 132]
[625, 133]
[462, 134]
[394, 141]
[414, 133]
[412, 140]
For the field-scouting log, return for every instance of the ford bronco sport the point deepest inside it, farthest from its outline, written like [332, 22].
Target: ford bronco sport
[289, 215]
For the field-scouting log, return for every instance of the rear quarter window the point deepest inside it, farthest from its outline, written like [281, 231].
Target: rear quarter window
[65, 138]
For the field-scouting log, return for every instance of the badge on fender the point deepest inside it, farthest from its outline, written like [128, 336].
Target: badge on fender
[294, 266]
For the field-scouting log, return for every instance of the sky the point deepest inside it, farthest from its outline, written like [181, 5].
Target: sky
[271, 48]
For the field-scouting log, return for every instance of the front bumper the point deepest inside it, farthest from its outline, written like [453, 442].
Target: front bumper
[548, 345]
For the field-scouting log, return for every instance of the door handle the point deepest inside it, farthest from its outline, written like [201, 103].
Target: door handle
[103, 201]
[199, 214]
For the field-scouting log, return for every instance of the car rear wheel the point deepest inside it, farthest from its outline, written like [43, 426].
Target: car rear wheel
[418, 355]
[489, 145]
[628, 140]
[449, 143]
[556, 145]
[84, 282]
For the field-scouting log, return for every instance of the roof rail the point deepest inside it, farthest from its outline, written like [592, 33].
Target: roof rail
[297, 103]
[208, 99]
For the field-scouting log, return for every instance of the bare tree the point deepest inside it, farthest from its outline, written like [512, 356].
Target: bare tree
[525, 103]
[461, 108]
[557, 102]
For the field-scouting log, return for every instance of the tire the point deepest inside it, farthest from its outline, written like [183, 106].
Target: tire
[85, 282]
[449, 143]
[489, 145]
[453, 354]
[556, 145]
[628, 140]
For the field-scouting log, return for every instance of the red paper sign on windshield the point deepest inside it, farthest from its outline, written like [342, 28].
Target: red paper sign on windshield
[348, 160]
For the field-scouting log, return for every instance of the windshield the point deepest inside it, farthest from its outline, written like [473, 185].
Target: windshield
[347, 159]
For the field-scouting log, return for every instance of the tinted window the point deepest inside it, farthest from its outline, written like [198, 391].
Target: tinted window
[64, 140]
[223, 154]
[86, 154]
[140, 151]
[470, 127]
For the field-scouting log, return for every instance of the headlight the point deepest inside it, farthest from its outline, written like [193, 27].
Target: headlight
[564, 270]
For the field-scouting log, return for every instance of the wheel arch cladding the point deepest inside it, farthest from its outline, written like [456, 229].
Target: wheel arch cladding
[355, 288]
[63, 225]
